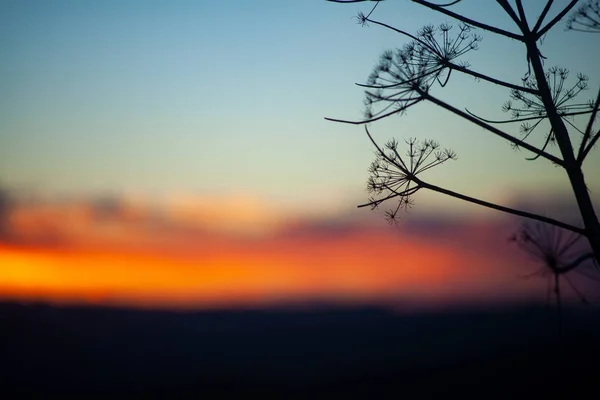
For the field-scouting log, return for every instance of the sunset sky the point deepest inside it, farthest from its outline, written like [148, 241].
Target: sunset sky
[203, 124]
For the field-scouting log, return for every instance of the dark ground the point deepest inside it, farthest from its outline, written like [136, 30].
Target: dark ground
[361, 352]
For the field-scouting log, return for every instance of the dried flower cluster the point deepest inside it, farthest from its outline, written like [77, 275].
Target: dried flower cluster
[393, 176]
[552, 246]
[586, 18]
[532, 111]
[532, 105]
[557, 251]
[401, 74]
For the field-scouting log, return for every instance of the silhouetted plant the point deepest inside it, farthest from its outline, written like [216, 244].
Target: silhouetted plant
[393, 177]
[544, 100]
[586, 18]
[557, 251]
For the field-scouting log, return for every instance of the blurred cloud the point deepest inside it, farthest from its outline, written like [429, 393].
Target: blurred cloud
[195, 251]
[229, 214]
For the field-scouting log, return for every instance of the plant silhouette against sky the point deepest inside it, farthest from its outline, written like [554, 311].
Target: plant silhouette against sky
[558, 253]
[545, 104]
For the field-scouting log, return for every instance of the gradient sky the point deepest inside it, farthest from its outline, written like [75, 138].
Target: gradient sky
[113, 97]
[205, 121]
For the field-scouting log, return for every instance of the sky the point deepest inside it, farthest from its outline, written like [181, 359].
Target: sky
[215, 111]
[183, 96]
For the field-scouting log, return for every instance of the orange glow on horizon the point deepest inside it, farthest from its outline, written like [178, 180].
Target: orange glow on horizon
[186, 255]
[369, 266]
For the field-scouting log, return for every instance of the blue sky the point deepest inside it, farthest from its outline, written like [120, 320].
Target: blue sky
[154, 96]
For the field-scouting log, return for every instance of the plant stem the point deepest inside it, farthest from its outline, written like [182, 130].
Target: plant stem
[508, 210]
[558, 303]
[570, 164]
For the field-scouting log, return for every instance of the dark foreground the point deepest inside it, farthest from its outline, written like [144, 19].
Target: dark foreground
[368, 352]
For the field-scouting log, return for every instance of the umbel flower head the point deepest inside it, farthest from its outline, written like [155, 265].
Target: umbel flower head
[553, 247]
[557, 251]
[531, 110]
[586, 18]
[394, 176]
[532, 105]
[400, 75]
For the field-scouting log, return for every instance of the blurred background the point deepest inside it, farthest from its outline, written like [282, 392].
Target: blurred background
[169, 164]
[175, 154]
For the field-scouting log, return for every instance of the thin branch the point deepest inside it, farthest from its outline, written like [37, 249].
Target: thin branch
[376, 202]
[490, 128]
[450, 4]
[590, 145]
[548, 140]
[576, 262]
[588, 129]
[558, 303]
[574, 126]
[508, 121]
[543, 15]
[400, 31]
[502, 208]
[594, 278]
[396, 84]
[373, 9]
[492, 80]
[351, 1]
[579, 30]
[524, 25]
[569, 244]
[548, 292]
[468, 20]
[379, 148]
[366, 121]
[411, 177]
[511, 13]
[540, 33]
[538, 272]
[577, 291]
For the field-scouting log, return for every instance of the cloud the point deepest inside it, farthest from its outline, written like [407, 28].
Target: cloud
[369, 265]
[175, 220]
[194, 251]
[228, 214]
